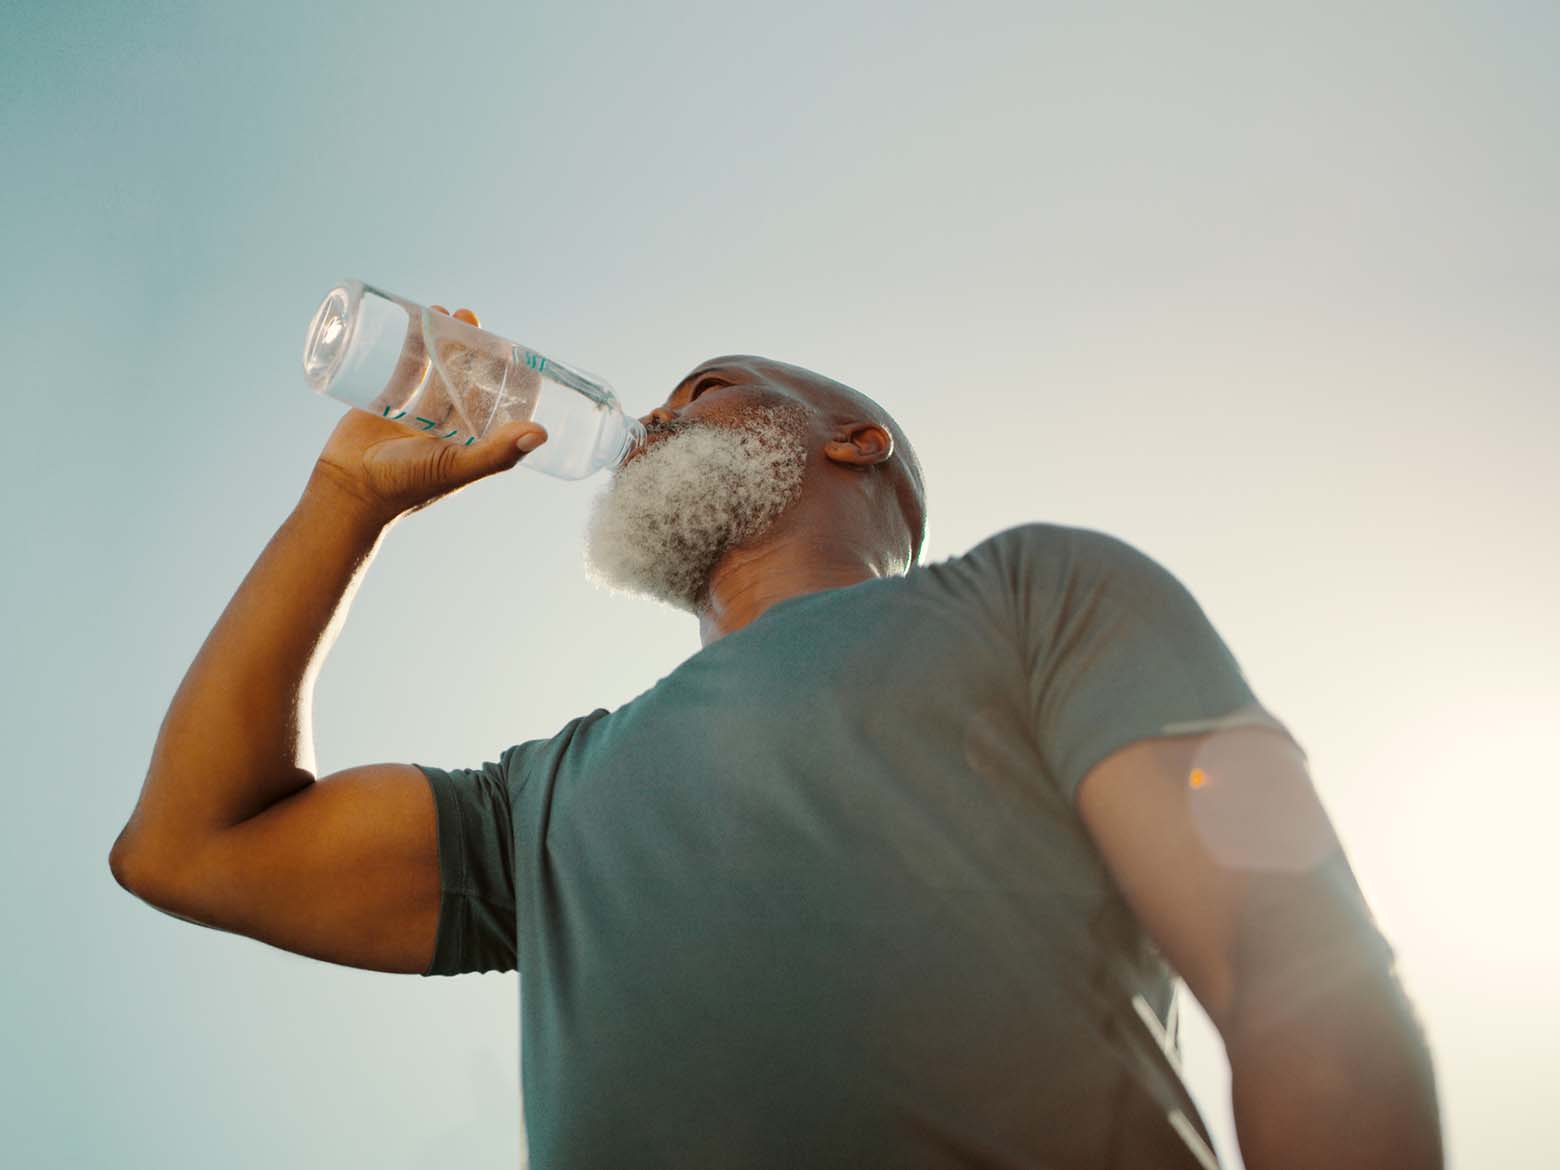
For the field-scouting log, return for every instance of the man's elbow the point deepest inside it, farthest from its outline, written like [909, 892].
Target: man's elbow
[1267, 994]
[1338, 1074]
[119, 862]
[130, 868]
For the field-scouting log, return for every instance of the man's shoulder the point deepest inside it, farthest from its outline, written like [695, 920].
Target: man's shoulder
[1043, 540]
[1061, 561]
[519, 761]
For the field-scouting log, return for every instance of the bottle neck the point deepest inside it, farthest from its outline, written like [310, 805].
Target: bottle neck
[631, 440]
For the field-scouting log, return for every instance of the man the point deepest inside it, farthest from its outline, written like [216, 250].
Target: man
[893, 872]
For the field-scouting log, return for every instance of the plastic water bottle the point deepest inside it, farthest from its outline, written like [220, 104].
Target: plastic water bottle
[435, 373]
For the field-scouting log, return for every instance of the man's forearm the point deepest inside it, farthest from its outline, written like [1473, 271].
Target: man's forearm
[238, 736]
[1343, 1081]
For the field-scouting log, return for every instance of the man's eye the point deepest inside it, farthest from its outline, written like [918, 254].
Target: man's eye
[702, 383]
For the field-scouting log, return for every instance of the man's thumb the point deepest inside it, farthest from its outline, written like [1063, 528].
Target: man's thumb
[498, 451]
[522, 437]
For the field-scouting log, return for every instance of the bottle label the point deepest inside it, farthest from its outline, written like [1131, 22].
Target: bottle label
[429, 424]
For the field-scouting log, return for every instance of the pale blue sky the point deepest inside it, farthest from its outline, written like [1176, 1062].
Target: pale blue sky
[1268, 293]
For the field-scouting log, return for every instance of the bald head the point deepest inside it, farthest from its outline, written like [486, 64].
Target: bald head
[835, 408]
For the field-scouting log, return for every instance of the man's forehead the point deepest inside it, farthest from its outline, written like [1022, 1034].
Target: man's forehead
[746, 362]
[813, 385]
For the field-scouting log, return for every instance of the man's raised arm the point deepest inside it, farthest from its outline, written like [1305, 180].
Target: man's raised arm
[237, 738]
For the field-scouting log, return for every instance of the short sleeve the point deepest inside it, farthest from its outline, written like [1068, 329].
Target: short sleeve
[477, 916]
[1115, 649]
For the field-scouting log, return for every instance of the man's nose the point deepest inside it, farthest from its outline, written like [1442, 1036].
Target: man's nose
[659, 417]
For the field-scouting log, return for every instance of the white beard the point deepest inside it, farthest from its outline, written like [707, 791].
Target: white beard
[659, 528]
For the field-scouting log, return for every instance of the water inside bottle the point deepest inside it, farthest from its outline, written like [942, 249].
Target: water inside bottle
[583, 436]
[476, 378]
[477, 381]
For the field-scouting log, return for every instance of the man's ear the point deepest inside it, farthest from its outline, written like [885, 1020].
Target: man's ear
[860, 444]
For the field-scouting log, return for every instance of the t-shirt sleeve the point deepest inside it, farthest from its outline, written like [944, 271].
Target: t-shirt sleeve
[477, 917]
[1115, 649]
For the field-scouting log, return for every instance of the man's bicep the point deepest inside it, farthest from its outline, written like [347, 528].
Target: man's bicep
[343, 870]
[1221, 847]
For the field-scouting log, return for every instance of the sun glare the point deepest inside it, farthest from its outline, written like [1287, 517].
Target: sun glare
[1458, 855]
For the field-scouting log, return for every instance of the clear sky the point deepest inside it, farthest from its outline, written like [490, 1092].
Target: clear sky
[1268, 291]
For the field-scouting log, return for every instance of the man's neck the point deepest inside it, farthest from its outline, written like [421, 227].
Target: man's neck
[746, 582]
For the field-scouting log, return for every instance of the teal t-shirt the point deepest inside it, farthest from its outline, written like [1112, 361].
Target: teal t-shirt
[820, 897]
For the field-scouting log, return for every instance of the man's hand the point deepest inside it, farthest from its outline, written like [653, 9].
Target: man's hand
[395, 471]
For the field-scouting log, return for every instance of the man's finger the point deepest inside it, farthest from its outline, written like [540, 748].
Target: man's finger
[466, 315]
